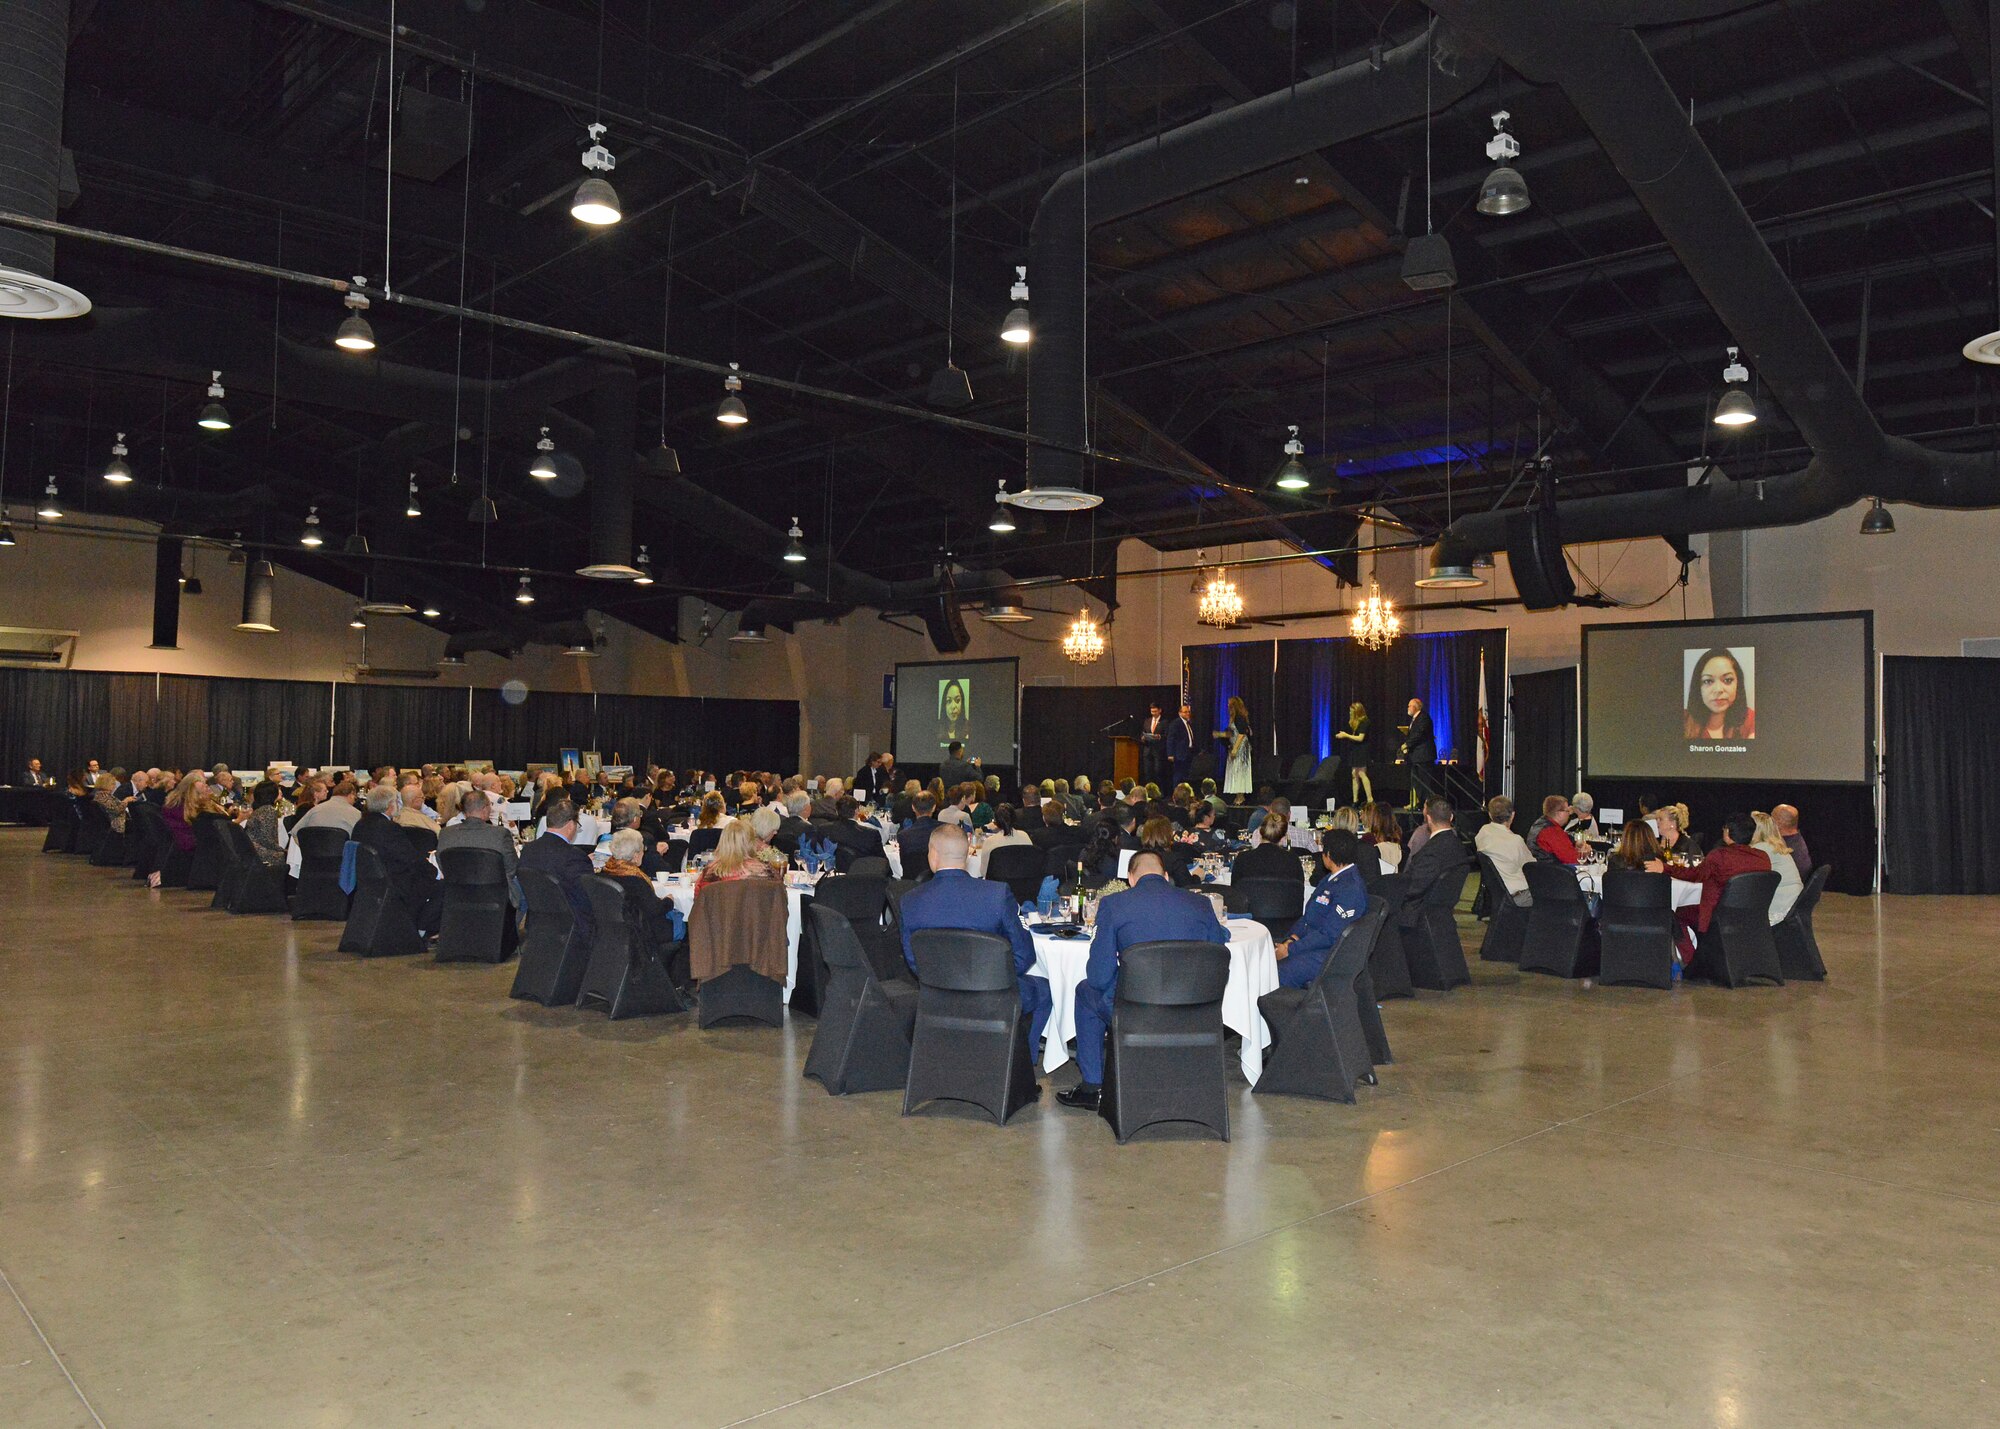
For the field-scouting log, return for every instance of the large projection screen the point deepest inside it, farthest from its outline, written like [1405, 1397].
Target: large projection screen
[1788, 699]
[971, 701]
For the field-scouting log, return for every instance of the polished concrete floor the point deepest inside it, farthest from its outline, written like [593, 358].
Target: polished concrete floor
[248, 1180]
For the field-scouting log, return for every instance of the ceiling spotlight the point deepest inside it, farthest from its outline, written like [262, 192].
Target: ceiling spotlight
[1877, 521]
[543, 467]
[1735, 408]
[645, 564]
[1002, 521]
[596, 202]
[354, 333]
[581, 651]
[1005, 615]
[1292, 476]
[412, 507]
[749, 631]
[49, 510]
[357, 621]
[1016, 328]
[526, 594]
[311, 535]
[214, 417]
[116, 471]
[1504, 191]
[6, 534]
[731, 412]
[1449, 576]
[795, 551]
[431, 612]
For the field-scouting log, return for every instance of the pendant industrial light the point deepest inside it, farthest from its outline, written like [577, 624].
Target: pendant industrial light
[259, 576]
[543, 467]
[1736, 407]
[645, 564]
[1083, 642]
[795, 551]
[6, 532]
[749, 631]
[485, 511]
[731, 412]
[357, 621]
[116, 471]
[214, 417]
[191, 582]
[431, 612]
[1002, 521]
[1504, 191]
[1015, 328]
[1293, 476]
[311, 535]
[596, 202]
[413, 508]
[526, 594]
[1427, 261]
[50, 509]
[354, 333]
[1877, 521]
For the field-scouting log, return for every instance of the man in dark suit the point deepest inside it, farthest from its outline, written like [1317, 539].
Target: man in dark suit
[1444, 853]
[1150, 910]
[955, 899]
[1180, 745]
[914, 842]
[1153, 745]
[793, 824]
[1420, 753]
[34, 778]
[476, 829]
[556, 854]
[871, 781]
[410, 873]
[957, 769]
[852, 836]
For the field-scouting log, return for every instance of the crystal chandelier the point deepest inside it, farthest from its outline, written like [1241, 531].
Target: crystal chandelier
[1083, 642]
[1375, 622]
[1221, 604]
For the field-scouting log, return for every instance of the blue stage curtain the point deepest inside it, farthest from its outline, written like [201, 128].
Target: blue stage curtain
[1216, 672]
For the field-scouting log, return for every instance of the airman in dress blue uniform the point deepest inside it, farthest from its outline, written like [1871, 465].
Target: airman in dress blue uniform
[1337, 900]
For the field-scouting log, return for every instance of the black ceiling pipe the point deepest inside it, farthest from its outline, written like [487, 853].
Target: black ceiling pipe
[614, 432]
[34, 51]
[1611, 80]
[166, 594]
[1332, 108]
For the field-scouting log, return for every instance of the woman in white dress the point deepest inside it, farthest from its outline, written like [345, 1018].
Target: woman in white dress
[1236, 777]
[1773, 845]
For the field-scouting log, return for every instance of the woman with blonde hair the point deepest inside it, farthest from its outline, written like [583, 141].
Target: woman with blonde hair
[1236, 775]
[1773, 844]
[736, 857]
[1356, 738]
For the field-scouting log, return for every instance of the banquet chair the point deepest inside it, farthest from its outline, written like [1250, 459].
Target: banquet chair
[1019, 866]
[1507, 920]
[1435, 956]
[869, 866]
[626, 972]
[115, 847]
[737, 951]
[424, 841]
[1059, 858]
[65, 824]
[93, 826]
[1558, 938]
[1635, 929]
[146, 834]
[970, 1040]
[1389, 964]
[553, 951]
[1319, 1045]
[673, 860]
[477, 923]
[863, 901]
[175, 862]
[1798, 949]
[205, 872]
[1738, 945]
[379, 923]
[1274, 902]
[1163, 1053]
[318, 894]
[862, 1043]
[249, 885]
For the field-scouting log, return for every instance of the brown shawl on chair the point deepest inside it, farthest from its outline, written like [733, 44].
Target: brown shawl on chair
[739, 921]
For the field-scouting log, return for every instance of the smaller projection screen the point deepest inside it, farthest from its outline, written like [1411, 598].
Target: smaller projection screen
[972, 702]
[1788, 699]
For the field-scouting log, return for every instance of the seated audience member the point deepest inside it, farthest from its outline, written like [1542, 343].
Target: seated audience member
[957, 810]
[1442, 855]
[1156, 836]
[1786, 818]
[652, 917]
[825, 809]
[765, 821]
[914, 842]
[264, 826]
[1670, 824]
[1582, 822]
[1381, 828]
[410, 873]
[707, 827]
[1099, 856]
[794, 823]
[415, 813]
[900, 807]
[1550, 842]
[1337, 900]
[1283, 809]
[1734, 856]
[737, 857]
[556, 854]
[1004, 834]
[1637, 847]
[1028, 813]
[1772, 845]
[179, 813]
[1150, 910]
[1270, 854]
[104, 794]
[1508, 850]
[476, 829]
[953, 898]
[981, 797]
[853, 835]
[1202, 835]
[336, 810]
[1082, 800]
[1209, 793]
[34, 778]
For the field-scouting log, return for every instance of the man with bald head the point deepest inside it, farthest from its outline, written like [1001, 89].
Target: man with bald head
[953, 898]
[1786, 817]
[1150, 911]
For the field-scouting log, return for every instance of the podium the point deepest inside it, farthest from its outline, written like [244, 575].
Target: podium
[1124, 756]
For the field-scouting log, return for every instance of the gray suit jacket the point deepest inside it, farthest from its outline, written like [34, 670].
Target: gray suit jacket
[474, 834]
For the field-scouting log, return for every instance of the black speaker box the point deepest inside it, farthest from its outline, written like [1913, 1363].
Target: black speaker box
[1535, 555]
[946, 623]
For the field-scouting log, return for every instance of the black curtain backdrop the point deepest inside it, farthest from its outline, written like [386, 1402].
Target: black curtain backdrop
[1940, 727]
[1544, 739]
[1838, 820]
[514, 735]
[252, 722]
[403, 725]
[1318, 679]
[1060, 726]
[748, 734]
[1215, 672]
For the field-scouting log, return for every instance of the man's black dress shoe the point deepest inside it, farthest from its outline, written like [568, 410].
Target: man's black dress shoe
[1082, 1097]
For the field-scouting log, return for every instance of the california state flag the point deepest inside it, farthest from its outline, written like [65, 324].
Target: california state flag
[1484, 746]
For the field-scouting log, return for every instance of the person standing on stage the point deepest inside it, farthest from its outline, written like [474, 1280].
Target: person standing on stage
[1420, 753]
[1180, 744]
[1236, 774]
[1354, 744]
[1152, 745]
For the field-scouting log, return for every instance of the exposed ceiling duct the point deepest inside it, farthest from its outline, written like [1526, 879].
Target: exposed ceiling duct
[1333, 108]
[1609, 77]
[34, 50]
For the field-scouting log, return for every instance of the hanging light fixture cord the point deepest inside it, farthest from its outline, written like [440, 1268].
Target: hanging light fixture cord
[464, 232]
[951, 262]
[389, 163]
[7, 420]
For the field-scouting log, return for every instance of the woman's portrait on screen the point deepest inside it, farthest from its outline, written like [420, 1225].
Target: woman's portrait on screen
[1719, 694]
[954, 711]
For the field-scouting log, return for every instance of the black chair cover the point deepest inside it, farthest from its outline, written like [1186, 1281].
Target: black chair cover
[65, 825]
[1507, 923]
[742, 994]
[1559, 938]
[1163, 1055]
[1635, 929]
[1019, 866]
[1274, 902]
[318, 894]
[1431, 944]
[205, 873]
[1320, 1046]
[93, 824]
[553, 957]
[1739, 946]
[379, 923]
[862, 1043]
[625, 971]
[477, 923]
[1798, 949]
[1389, 964]
[970, 1039]
[249, 885]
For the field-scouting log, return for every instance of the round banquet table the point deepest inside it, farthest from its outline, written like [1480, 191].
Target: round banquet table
[680, 888]
[1253, 972]
[975, 861]
[1685, 894]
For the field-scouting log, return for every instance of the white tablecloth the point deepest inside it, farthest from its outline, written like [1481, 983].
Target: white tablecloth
[681, 889]
[1253, 972]
[1685, 894]
[975, 861]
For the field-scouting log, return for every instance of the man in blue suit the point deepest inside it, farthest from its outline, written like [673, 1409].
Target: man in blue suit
[1180, 744]
[1150, 911]
[1337, 900]
[915, 839]
[953, 898]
